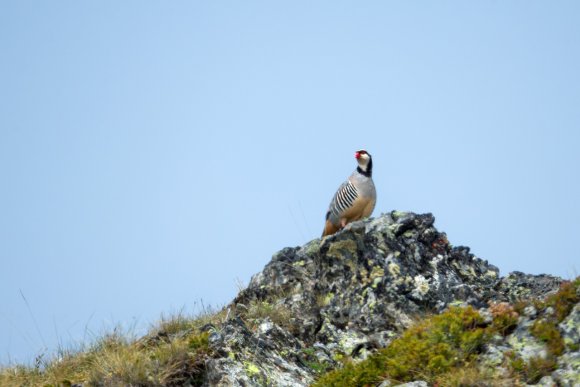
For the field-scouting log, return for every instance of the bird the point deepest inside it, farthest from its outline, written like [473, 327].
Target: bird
[355, 199]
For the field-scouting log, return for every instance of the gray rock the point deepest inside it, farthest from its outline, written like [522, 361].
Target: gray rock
[524, 344]
[493, 356]
[570, 328]
[530, 311]
[568, 372]
[518, 286]
[267, 356]
[418, 383]
[546, 381]
[353, 292]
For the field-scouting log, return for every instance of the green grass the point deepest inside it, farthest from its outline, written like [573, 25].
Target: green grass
[432, 347]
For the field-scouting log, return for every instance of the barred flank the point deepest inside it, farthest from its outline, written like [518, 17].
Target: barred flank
[344, 198]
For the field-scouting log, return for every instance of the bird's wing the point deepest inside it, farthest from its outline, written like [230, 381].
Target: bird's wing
[343, 199]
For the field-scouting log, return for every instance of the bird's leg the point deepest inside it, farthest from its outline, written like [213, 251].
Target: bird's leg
[342, 222]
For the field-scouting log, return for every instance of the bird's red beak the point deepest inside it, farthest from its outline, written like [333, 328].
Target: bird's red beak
[356, 155]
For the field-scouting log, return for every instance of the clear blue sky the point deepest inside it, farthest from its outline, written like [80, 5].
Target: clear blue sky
[153, 154]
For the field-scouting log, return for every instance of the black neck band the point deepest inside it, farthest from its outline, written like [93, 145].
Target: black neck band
[364, 173]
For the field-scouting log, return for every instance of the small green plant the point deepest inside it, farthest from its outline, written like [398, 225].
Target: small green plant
[530, 371]
[431, 348]
[564, 300]
[546, 330]
[310, 359]
[538, 367]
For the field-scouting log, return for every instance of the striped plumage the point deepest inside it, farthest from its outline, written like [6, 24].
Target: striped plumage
[355, 199]
[344, 198]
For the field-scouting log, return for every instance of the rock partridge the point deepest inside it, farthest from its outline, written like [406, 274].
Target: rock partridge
[355, 199]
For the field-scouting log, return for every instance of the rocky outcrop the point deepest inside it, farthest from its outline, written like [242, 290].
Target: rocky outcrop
[351, 293]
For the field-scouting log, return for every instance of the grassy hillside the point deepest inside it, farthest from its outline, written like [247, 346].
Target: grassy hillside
[172, 353]
[442, 349]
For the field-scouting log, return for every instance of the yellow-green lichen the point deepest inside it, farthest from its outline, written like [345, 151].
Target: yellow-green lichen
[337, 356]
[327, 299]
[337, 249]
[348, 342]
[312, 248]
[394, 269]
[377, 271]
[398, 214]
[362, 271]
[251, 369]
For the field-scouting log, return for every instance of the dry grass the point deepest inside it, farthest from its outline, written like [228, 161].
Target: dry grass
[257, 311]
[471, 376]
[172, 354]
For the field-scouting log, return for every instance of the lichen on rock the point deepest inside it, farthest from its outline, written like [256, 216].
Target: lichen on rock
[351, 293]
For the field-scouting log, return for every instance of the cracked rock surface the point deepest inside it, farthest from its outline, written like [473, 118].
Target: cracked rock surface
[352, 293]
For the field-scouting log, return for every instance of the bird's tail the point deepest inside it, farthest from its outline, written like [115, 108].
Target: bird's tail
[329, 228]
